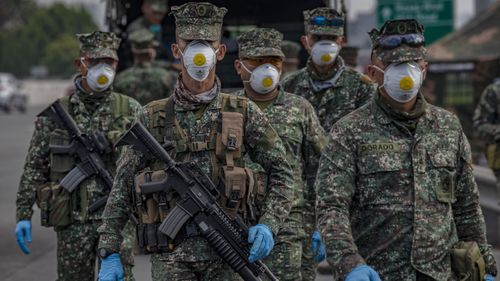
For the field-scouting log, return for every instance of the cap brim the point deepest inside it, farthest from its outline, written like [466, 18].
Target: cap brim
[323, 30]
[402, 54]
[200, 32]
[102, 54]
[263, 52]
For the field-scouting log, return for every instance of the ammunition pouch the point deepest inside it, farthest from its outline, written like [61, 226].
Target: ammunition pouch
[467, 262]
[239, 187]
[60, 163]
[493, 156]
[55, 205]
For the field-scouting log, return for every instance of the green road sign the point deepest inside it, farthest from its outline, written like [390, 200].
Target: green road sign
[435, 15]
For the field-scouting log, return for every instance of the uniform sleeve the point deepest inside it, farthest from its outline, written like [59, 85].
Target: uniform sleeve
[469, 219]
[313, 144]
[267, 149]
[118, 208]
[335, 187]
[36, 169]
[486, 114]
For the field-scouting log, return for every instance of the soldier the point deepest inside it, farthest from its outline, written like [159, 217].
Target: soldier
[291, 62]
[212, 129]
[144, 81]
[333, 88]
[259, 65]
[487, 123]
[153, 13]
[395, 185]
[94, 108]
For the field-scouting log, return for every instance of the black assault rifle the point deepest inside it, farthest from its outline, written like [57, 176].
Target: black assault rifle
[88, 149]
[197, 202]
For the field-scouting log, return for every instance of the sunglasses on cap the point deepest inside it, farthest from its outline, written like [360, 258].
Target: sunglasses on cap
[322, 21]
[394, 41]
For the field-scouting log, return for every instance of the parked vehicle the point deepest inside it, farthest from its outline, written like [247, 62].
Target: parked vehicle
[11, 96]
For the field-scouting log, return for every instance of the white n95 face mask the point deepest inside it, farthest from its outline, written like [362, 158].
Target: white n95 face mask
[402, 81]
[324, 52]
[264, 78]
[199, 58]
[100, 77]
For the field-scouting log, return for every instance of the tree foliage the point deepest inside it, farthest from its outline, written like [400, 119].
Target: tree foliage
[47, 37]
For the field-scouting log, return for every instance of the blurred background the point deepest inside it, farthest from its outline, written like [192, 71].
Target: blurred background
[38, 46]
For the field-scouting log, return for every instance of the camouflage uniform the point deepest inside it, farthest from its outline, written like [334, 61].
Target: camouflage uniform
[396, 189]
[144, 81]
[331, 99]
[342, 90]
[77, 242]
[487, 123]
[163, 48]
[291, 62]
[294, 120]
[193, 258]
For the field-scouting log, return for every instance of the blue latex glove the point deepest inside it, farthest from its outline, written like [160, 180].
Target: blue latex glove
[488, 277]
[317, 247]
[262, 239]
[362, 273]
[111, 268]
[23, 232]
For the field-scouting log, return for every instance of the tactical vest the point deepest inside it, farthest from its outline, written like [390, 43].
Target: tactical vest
[225, 148]
[58, 207]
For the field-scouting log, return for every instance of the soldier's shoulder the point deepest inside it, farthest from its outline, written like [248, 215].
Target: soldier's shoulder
[294, 77]
[133, 104]
[444, 119]
[156, 105]
[360, 117]
[297, 101]
[358, 76]
[494, 87]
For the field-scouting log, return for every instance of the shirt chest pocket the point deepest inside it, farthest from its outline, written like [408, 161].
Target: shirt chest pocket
[383, 178]
[442, 171]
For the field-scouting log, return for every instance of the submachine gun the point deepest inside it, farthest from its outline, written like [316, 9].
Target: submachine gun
[198, 202]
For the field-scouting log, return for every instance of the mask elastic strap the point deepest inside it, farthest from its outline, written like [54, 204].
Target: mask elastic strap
[247, 70]
[82, 61]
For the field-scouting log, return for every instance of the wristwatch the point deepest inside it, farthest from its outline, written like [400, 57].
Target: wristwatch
[104, 253]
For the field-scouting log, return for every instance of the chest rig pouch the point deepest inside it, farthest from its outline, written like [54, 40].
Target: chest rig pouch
[225, 147]
[58, 206]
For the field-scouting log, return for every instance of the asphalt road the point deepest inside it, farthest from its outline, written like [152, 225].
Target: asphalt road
[16, 130]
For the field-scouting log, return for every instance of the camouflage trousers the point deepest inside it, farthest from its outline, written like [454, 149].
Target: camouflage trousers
[292, 258]
[163, 269]
[77, 251]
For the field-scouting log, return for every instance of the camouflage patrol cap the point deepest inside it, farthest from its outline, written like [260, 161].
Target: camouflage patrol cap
[142, 39]
[260, 42]
[407, 32]
[198, 21]
[99, 44]
[324, 21]
[159, 6]
[290, 49]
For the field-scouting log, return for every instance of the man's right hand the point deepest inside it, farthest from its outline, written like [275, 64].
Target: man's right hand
[362, 273]
[23, 233]
[111, 268]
